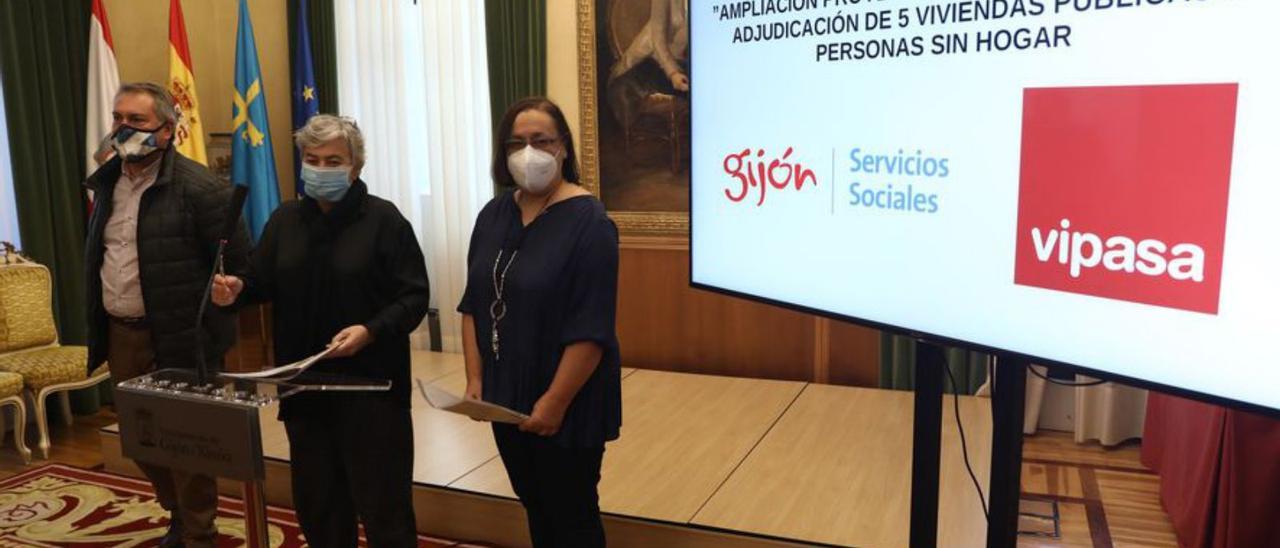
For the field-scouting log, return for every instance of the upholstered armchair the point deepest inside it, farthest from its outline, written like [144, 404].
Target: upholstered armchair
[29, 346]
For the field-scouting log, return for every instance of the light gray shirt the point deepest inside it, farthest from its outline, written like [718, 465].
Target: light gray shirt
[121, 282]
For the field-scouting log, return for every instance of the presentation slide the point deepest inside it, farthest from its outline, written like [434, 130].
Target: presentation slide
[1088, 182]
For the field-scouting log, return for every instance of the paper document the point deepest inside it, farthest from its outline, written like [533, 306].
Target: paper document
[440, 398]
[287, 371]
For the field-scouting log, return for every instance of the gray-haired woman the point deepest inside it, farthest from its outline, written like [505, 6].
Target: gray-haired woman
[342, 268]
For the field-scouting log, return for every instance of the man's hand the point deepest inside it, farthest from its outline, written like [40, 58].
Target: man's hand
[225, 289]
[349, 341]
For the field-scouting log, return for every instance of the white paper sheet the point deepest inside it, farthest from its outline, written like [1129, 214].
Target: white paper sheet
[442, 399]
[285, 371]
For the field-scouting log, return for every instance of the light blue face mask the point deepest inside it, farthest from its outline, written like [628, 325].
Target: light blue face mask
[329, 184]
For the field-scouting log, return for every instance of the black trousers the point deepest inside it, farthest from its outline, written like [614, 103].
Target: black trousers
[557, 487]
[354, 460]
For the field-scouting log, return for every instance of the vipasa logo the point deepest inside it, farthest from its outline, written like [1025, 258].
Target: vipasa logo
[1081, 250]
[1115, 201]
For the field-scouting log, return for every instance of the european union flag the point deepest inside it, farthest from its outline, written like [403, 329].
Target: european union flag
[252, 162]
[306, 101]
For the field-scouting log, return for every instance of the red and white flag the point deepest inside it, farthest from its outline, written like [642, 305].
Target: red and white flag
[104, 80]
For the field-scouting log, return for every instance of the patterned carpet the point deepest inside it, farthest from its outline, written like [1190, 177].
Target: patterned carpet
[59, 505]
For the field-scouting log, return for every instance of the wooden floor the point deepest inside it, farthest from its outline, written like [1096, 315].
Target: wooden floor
[775, 458]
[834, 450]
[786, 459]
[1105, 496]
[78, 445]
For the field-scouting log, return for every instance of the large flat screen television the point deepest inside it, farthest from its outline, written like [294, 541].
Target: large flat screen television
[1090, 183]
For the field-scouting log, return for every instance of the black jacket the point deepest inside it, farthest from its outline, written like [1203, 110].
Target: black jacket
[178, 220]
[359, 264]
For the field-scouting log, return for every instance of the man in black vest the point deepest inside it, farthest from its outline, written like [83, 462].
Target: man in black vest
[149, 251]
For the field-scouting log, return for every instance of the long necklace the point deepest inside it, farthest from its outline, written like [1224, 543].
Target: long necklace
[498, 308]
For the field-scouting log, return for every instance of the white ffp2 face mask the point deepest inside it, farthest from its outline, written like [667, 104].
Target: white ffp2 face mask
[533, 169]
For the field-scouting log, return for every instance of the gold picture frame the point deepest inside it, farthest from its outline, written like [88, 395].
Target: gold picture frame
[636, 223]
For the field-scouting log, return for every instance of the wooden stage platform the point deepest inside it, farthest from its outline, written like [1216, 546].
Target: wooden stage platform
[703, 461]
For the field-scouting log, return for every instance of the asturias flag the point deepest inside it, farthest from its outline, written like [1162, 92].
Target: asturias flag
[253, 163]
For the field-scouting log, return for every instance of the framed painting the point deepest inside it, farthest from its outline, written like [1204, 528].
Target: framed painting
[634, 103]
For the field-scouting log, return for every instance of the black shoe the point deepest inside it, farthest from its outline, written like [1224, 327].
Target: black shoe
[173, 536]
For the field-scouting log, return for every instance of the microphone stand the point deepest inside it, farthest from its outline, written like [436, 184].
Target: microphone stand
[238, 194]
[202, 368]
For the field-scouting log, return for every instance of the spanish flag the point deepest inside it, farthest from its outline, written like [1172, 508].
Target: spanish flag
[189, 135]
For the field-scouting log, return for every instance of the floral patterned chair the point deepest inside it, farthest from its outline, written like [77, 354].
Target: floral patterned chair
[29, 346]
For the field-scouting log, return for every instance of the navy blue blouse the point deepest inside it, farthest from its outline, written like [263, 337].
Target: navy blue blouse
[562, 288]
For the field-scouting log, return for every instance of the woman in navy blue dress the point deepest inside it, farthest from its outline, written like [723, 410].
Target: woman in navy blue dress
[538, 324]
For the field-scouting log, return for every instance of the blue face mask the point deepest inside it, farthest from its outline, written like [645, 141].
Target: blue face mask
[329, 184]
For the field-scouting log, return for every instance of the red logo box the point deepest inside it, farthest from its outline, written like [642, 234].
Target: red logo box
[1123, 192]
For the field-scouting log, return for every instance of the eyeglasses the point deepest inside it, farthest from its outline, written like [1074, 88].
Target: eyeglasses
[545, 144]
